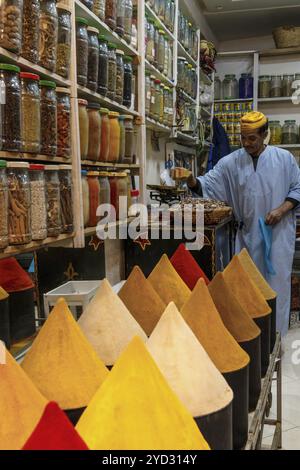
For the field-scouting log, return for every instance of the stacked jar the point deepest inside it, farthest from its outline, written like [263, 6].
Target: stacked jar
[104, 194]
[105, 135]
[11, 25]
[48, 27]
[63, 122]
[290, 132]
[103, 66]
[11, 110]
[94, 131]
[64, 37]
[82, 50]
[38, 203]
[276, 133]
[94, 197]
[276, 86]
[54, 225]
[48, 118]
[85, 198]
[19, 218]
[3, 206]
[83, 128]
[30, 113]
[66, 205]
[93, 58]
[112, 71]
[30, 30]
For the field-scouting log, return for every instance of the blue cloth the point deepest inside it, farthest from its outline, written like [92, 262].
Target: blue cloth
[253, 194]
[267, 235]
[220, 147]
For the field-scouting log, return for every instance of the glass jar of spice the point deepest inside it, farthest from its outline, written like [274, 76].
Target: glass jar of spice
[120, 23]
[30, 30]
[114, 137]
[53, 201]
[83, 128]
[30, 112]
[94, 194]
[105, 135]
[290, 133]
[66, 204]
[276, 86]
[157, 99]
[147, 93]
[48, 34]
[287, 85]
[38, 202]
[152, 102]
[112, 71]
[161, 51]
[129, 139]
[119, 77]
[122, 139]
[19, 221]
[104, 188]
[93, 59]
[276, 133]
[128, 79]
[11, 109]
[3, 206]
[264, 86]
[85, 198]
[128, 21]
[150, 45]
[82, 50]
[63, 122]
[103, 66]
[94, 131]
[48, 118]
[111, 14]
[99, 9]
[64, 40]
[11, 25]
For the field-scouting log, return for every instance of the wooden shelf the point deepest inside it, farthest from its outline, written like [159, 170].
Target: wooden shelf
[25, 65]
[182, 52]
[112, 105]
[30, 157]
[84, 12]
[151, 14]
[238, 100]
[204, 78]
[157, 74]
[205, 113]
[187, 97]
[279, 52]
[157, 126]
[109, 165]
[290, 146]
[285, 99]
[33, 246]
[186, 138]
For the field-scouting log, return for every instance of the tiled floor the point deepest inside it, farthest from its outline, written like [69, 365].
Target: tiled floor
[291, 394]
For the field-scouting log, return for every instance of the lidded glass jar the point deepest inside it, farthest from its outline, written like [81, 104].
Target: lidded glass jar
[48, 118]
[114, 137]
[94, 194]
[19, 203]
[152, 102]
[94, 131]
[287, 85]
[167, 18]
[161, 103]
[147, 93]
[122, 139]
[11, 110]
[150, 47]
[30, 30]
[103, 66]
[166, 62]
[290, 133]
[276, 86]
[82, 50]
[276, 133]
[120, 23]
[30, 112]
[66, 203]
[99, 9]
[129, 139]
[128, 21]
[3, 206]
[122, 185]
[63, 122]
[48, 34]
[11, 25]
[105, 135]
[88, 3]
[64, 40]
[157, 99]
[246, 86]
[93, 59]
[85, 197]
[104, 188]
[54, 226]
[83, 128]
[161, 50]
[111, 14]
[156, 41]
[218, 88]
[38, 204]
[119, 77]
[230, 88]
[112, 71]
[264, 86]
[181, 72]
[128, 80]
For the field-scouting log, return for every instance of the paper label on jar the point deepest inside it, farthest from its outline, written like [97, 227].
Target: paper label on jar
[153, 100]
[2, 92]
[148, 95]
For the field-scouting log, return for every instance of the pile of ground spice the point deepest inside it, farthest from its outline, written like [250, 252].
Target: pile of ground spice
[187, 268]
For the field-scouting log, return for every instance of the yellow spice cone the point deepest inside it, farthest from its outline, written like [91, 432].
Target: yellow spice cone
[186, 365]
[136, 410]
[168, 284]
[108, 325]
[256, 276]
[21, 405]
[3, 294]
[234, 317]
[142, 301]
[62, 363]
[203, 318]
[248, 295]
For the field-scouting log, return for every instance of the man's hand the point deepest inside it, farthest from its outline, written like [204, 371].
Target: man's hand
[191, 181]
[274, 217]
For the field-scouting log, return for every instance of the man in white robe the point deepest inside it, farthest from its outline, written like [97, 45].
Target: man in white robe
[260, 181]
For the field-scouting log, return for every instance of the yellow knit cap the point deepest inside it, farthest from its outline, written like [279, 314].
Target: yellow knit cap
[252, 121]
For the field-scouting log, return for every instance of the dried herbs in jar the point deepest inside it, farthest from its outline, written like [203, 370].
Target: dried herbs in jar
[38, 202]
[48, 34]
[64, 41]
[18, 203]
[82, 50]
[53, 201]
[11, 110]
[48, 118]
[30, 112]
[63, 122]
[30, 35]
[66, 205]
[11, 24]
[3, 206]
[93, 60]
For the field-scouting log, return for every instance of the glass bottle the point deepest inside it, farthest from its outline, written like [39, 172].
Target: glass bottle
[230, 87]
[19, 220]
[112, 71]
[246, 86]
[93, 58]
[48, 117]
[82, 50]
[290, 135]
[64, 40]
[48, 26]
[30, 30]
[103, 66]
[30, 112]
[128, 80]
[38, 202]
[276, 86]
[276, 133]
[264, 86]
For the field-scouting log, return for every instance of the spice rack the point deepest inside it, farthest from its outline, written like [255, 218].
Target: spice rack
[182, 52]
[151, 14]
[157, 126]
[84, 92]
[160, 76]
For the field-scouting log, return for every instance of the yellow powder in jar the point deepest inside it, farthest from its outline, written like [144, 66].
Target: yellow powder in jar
[168, 284]
[135, 409]
[141, 300]
[62, 363]
[248, 295]
[234, 317]
[21, 405]
[204, 319]
[186, 366]
[108, 325]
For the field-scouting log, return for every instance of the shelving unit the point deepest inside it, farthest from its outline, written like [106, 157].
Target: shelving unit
[275, 100]
[113, 105]
[109, 165]
[29, 247]
[188, 97]
[182, 52]
[186, 139]
[30, 157]
[235, 101]
[157, 74]
[157, 126]
[151, 14]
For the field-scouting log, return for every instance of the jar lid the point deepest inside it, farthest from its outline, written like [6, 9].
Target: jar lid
[104, 110]
[290, 121]
[264, 76]
[152, 77]
[102, 37]
[181, 58]
[36, 167]
[134, 192]
[17, 165]
[82, 102]
[103, 174]
[83, 172]
[157, 81]
[93, 106]
[92, 173]
[81, 20]
[119, 52]
[127, 58]
[161, 31]
[2, 164]
[51, 168]
[274, 122]
[91, 29]
[63, 90]
[128, 117]
[62, 6]
[10, 67]
[112, 46]
[113, 114]
[31, 76]
[230, 76]
[121, 175]
[65, 167]
[48, 84]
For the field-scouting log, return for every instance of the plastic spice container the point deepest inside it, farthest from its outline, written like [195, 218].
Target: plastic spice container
[99, 9]
[11, 25]
[54, 226]
[82, 50]
[88, 3]
[147, 93]
[64, 40]
[153, 95]
[264, 86]
[48, 34]
[120, 23]
[48, 118]
[287, 85]
[38, 202]
[112, 71]
[94, 194]
[104, 189]
[128, 21]
[3, 206]
[85, 198]
[94, 131]
[276, 86]
[161, 51]
[83, 128]
[290, 133]
[11, 110]
[230, 88]
[150, 45]
[19, 223]
[276, 133]
[128, 79]
[103, 66]
[63, 122]
[93, 59]
[111, 14]
[114, 137]
[30, 112]
[119, 77]
[246, 86]
[122, 139]
[129, 139]
[30, 30]
[66, 204]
